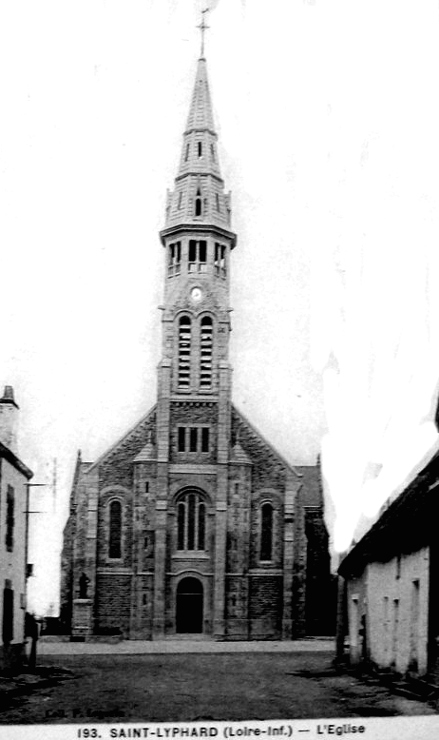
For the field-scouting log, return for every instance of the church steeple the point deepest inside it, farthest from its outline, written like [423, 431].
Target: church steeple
[198, 241]
[198, 195]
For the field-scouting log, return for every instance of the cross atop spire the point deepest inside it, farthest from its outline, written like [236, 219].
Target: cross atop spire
[203, 27]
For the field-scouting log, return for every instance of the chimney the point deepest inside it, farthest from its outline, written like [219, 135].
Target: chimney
[8, 419]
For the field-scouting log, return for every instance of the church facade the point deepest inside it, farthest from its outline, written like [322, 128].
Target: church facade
[193, 523]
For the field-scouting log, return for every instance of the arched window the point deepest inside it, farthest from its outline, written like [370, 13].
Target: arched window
[115, 530]
[206, 347]
[266, 532]
[198, 203]
[191, 522]
[184, 352]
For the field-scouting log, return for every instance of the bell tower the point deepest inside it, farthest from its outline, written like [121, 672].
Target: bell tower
[197, 241]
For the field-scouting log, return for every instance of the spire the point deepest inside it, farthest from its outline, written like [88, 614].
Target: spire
[198, 196]
[200, 113]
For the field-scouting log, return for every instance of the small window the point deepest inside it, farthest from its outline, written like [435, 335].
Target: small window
[266, 532]
[212, 151]
[204, 439]
[198, 203]
[200, 149]
[193, 437]
[180, 199]
[144, 600]
[203, 251]
[217, 203]
[186, 156]
[147, 487]
[181, 439]
[115, 539]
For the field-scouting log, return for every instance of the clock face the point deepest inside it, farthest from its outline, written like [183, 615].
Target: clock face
[196, 294]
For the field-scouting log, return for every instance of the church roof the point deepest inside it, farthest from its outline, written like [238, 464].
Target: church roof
[260, 440]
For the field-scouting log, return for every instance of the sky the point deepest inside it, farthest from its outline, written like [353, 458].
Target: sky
[327, 119]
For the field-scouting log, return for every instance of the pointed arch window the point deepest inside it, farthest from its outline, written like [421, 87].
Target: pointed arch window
[206, 351]
[115, 530]
[191, 522]
[266, 550]
[184, 351]
[198, 203]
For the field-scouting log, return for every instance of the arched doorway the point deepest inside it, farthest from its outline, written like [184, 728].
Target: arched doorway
[190, 606]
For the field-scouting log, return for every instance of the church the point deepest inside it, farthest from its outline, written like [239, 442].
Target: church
[192, 523]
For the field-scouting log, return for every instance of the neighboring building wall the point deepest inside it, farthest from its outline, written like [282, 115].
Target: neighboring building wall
[12, 556]
[390, 602]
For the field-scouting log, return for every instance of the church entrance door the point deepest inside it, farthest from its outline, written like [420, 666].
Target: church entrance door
[190, 606]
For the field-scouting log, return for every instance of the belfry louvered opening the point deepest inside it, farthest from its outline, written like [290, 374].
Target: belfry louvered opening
[184, 351]
[206, 351]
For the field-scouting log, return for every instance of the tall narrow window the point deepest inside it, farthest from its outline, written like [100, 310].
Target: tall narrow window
[186, 156]
[174, 261]
[180, 199]
[206, 341]
[212, 151]
[184, 352]
[10, 519]
[197, 261]
[115, 539]
[217, 202]
[191, 522]
[193, 439]
[266, 532]
[198, 203]
[220, 260]
[200, 149]
[204, 439]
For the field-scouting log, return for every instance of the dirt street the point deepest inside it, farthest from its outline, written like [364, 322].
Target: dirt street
[112, 688]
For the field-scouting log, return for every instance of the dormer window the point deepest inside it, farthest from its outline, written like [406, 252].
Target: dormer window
[200, 149]
[198, 203]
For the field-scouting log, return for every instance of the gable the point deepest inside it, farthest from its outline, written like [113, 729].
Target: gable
[268, 464]
[128, 447]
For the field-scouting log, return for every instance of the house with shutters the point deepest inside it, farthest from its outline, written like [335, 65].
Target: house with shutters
[193, 523]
